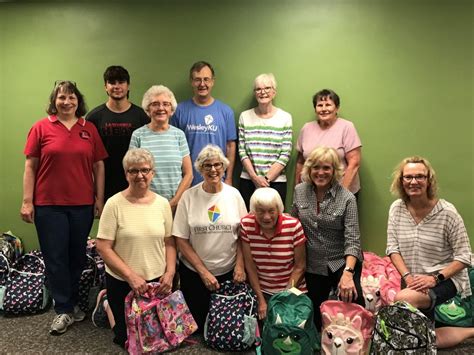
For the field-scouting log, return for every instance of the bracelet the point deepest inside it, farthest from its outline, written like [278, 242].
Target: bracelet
[406, 274]
[266, 178]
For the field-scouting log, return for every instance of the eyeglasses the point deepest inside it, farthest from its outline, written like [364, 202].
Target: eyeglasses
[158, 104]
[418, 178]
[143, 171]
[198, 81]
[217, 166]
[62, 82]
[266, 89]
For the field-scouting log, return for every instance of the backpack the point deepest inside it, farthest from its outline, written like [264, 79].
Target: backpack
[92, 278]
[347, 328]
[289, 326]
[401, 328]
[231, 323]
[156, 322]
[11, 246]
[458, 312]
[4, 272]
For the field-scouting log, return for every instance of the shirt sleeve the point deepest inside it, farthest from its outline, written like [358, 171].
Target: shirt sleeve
[458, 238]
[181, 227]
[351, 230]
[392, 227]
[299, 141]
[242, 151]
[350, 138]
[183, 144]
[99, 150]
[108, 223]
[243, 232]
[286, 143]
[134, 140]
[168, 217]
[33, 142]
[231, 131]
[299, 237]
[175, 119]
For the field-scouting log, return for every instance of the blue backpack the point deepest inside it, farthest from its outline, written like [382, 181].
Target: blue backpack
[289, 327]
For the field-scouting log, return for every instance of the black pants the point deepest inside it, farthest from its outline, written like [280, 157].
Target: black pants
[247, 188]
[319, 287]
[117, 290]
[196, 294]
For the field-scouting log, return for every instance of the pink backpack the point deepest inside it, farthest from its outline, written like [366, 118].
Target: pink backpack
[156, 322]
[347, 328]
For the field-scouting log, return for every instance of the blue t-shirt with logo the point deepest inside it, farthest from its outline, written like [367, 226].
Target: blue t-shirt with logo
[203, 125]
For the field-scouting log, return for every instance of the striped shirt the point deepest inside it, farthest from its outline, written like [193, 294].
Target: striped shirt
[275, 257]
[265, 141]
[169, 148]
[332, 233]
[432, 244]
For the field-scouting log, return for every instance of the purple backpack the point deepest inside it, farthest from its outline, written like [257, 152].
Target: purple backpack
[156, 322]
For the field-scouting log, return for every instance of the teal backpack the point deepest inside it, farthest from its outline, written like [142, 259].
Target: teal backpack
[289, 327]
[458, 312]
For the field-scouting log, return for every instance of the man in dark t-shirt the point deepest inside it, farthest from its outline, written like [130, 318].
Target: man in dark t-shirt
[116, 120]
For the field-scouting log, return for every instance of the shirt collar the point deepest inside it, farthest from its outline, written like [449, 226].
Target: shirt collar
[54, 118]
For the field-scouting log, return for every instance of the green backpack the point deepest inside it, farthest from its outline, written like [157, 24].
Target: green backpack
[458, 312]
[289, 327]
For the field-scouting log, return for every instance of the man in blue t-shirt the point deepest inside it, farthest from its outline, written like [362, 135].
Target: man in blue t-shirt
[206, 120]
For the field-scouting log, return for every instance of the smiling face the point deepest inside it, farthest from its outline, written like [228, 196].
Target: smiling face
[326, 110]
[266, 216]
[160, 109]
[66, 103]
[264, 92]
[117, 89]
[322, 174]
[415, 180]
[202, 82]
[139, 175]
[212, 171]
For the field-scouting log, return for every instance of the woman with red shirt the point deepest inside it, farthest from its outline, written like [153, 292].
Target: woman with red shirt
[63, 189]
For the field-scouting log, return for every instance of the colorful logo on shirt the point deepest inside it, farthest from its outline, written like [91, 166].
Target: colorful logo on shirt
[84, 135]
[208, 119]
[214, 213]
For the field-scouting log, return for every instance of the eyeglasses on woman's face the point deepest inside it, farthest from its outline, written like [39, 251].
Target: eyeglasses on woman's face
[418, 178]
[157, 104]
[266, 89]
[143, 171]
[217, 166]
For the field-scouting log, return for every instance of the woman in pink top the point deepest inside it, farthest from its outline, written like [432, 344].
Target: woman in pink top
[331, 131]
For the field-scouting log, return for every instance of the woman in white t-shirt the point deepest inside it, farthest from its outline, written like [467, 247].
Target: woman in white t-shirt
[134, 238]
[206, 227]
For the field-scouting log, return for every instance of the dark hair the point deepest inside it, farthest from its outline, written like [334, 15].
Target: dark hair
[325, 94]
[198, 67]
[70, 88]
[116, 73]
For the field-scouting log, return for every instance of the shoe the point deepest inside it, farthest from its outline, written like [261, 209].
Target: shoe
[99, 315]
[78, 314]
[60, 323]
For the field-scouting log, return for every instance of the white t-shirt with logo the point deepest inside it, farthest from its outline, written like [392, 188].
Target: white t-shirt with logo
[211, 223]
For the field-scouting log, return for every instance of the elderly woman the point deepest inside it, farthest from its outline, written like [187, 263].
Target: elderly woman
[270, 235]
[328, 213]
[63, 152]
[206, 228]
[265, 134]
[134, 238]
[428, 244]
[167, 144]
[329, 130]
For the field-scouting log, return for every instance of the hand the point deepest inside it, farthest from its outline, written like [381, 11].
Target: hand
[228, 180]
[262, 308]
[422, 283]
[166, 283]
[260, 181]
[210, 281]
[137, 284]
[27, 212]
[173, 204]
[347, 289]
[98, 207]
[239, 274]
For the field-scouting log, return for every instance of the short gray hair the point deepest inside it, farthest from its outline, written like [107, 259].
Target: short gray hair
[266, 197]
[209, 152]
[265, 79]
[138, 156]
[156, 90]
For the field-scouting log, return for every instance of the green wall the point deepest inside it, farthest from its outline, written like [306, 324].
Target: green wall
[403, 69]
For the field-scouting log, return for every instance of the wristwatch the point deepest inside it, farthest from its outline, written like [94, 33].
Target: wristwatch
[439, 277]
[351, 270]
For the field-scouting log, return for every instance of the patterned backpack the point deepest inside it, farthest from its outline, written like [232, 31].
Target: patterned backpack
[347, 328]
[156, 322]
[289, 327]
[92, 278]
[401, 328]
[11, 246]
[231, 323]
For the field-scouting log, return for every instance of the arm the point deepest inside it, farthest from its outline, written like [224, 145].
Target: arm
[259, 181]
[185, 182]
[27, 211]
[191, 256]
[347, 289]
[299, 167]
[285, 152]
[166, 280]
[353, 162]
[230, 154]
[299, 267]
[252, 274]
[239, 269]
[99, 179]
[118, 266]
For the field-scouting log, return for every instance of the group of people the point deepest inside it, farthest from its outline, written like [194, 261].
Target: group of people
[165, 172]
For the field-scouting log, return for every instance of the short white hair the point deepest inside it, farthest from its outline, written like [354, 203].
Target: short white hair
[209, 152]
[137, 156]
[267, 79]
[156, 90]
[266, 197]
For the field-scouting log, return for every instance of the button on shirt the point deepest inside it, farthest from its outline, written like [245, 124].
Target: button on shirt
[332, 233]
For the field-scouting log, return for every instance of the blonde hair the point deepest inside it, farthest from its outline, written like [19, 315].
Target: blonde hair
[326, 155]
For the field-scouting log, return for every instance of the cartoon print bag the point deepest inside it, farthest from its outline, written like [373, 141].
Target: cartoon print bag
[347, 328]
[232, 319]
[156, 322]
[11, 246]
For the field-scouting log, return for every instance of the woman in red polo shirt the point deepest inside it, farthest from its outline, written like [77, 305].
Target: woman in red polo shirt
[63, 188]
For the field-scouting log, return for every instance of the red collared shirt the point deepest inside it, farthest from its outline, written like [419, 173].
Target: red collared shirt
[66, 157]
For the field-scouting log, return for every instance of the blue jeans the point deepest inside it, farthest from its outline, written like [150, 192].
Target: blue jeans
[62, 233]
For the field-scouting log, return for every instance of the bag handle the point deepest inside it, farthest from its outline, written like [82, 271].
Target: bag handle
[7, 263]
[29, 255]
